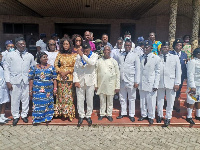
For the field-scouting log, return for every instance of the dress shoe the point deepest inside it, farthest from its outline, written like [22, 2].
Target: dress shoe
[190, 120]
[197, 118]
[25, 119]
[110, 118]
[150, 121]
[15, 121]
[100, 117]
[80, 121]
[159, 119]
[120, 116]
[167, 122]
[89, 120]
[142, 118]
[132, 119]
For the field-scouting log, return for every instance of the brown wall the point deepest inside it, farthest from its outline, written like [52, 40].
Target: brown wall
[158, 24]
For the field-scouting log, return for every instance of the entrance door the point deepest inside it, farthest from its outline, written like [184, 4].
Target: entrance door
[72, 28]
[127, 27]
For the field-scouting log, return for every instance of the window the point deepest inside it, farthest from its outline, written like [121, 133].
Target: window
[20, 28]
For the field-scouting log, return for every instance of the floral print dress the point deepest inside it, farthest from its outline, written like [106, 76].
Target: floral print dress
[43, 100]
[65, 97]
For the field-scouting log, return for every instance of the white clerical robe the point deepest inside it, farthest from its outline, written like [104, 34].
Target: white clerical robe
[108, 76]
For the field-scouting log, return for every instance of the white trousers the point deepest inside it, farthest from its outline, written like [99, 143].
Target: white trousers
[170, 97]
[4, 95]
[148, 103]
[81, 92]
[19, 92]
[123, 99]
[103, 104]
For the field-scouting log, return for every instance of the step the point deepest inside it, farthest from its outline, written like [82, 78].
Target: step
[178, 122]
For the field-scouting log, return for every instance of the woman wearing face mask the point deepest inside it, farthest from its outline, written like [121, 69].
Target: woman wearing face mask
[9, 46]
[42, 87]
[64, 65]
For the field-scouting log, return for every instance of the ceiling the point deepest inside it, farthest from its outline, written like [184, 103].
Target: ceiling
[109, 9]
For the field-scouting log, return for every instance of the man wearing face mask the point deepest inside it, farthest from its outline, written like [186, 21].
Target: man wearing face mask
[9, 48]
[127, 35]
[17, 65]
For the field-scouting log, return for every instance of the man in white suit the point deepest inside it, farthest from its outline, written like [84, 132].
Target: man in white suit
[129, 65]
[149, 80]
[84, 77]
[170, 79]
[17, 65]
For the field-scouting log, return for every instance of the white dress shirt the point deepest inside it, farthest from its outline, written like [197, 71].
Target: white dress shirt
[42, 45]
[17, 67]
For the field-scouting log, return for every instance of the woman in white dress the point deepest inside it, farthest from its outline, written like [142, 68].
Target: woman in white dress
[4, 96]
[52, 52]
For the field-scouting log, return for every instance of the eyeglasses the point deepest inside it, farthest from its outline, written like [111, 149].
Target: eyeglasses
[78, 40]
[21, 44]
[52, 44]
[128, 45]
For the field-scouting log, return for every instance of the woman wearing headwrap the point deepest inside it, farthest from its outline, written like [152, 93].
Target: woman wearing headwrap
[42, 87]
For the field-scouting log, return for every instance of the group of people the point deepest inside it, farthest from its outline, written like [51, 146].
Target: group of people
[74, 69]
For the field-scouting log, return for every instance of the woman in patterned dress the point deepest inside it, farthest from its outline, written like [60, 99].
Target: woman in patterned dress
[42, 86]
[64, 65]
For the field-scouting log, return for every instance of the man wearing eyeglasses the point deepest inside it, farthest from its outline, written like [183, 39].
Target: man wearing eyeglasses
[129, 65]
[16, 67]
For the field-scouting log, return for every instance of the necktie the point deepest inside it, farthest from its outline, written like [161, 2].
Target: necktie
[21, 54]
[165, 58]
[126, 53]
[145, 61]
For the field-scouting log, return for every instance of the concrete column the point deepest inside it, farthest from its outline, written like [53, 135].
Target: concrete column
[195, 23]
[172, 21]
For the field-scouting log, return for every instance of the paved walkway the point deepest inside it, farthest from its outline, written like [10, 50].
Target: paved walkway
[98, 137]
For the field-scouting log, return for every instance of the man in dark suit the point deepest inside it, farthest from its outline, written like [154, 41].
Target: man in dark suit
[177, 46]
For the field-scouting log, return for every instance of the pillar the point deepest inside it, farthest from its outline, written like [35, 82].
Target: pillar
[195, 23]
[172, 21]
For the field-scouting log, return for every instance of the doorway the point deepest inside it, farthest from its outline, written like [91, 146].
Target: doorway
[74, 28]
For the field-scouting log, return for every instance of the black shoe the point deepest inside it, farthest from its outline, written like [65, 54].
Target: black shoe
[197, 118]
[80, 121]
[25, 119]
[132, 119]
[190, 120]
[89, 120]
[120, 116]
[159, 119]
[142, 118]
[100, 117]
[15, 121]
[167, 122]
[110, 118]
[150, 121]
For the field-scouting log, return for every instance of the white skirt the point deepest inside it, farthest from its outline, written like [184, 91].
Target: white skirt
[4, 94]
[189, 98]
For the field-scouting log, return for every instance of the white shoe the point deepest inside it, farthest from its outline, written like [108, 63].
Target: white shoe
[2, 121]
[6, 119]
